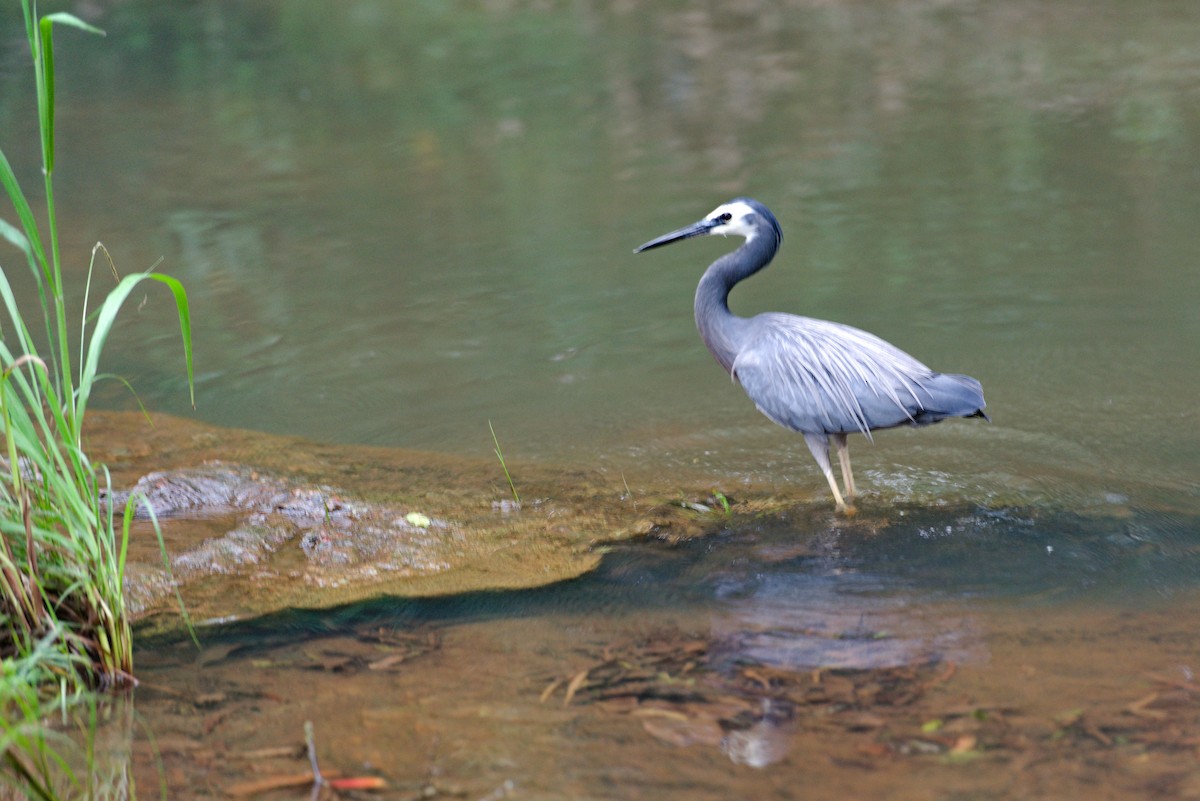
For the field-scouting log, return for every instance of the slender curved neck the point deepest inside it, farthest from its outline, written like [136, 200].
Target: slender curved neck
[719, 327]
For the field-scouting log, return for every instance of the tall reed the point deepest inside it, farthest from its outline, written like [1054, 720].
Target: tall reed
[63, 623]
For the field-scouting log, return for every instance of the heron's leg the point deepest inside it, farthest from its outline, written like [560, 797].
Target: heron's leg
[843, 452]
[819, 445]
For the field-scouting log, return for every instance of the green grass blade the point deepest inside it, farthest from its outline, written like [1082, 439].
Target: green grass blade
[13, 234]
[30, 243]
[142, 501]
[24, 213]
[183, 310]
[107, 316]
[30, 10]
[70, 20]
[132, 392]
[14, 313]
[46, 107]
[500, 456]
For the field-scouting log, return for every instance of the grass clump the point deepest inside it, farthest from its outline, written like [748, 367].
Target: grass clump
[63, 625]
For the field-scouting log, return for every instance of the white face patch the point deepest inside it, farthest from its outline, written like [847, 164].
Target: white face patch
[738, 225]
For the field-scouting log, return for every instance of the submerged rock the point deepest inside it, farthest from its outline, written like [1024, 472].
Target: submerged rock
[209, 488]
[330, 531]
[284, 532]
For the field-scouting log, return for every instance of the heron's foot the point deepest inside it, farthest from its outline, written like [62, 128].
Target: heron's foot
[846, 509]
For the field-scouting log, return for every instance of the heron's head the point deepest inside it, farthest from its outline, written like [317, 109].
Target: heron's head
[742, 217]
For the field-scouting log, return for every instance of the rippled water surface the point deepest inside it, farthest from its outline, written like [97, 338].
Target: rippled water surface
[400, 221]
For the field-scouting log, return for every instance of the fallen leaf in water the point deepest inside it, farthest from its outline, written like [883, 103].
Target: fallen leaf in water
[276, 752]
[1182, 684]
[573, 687]
[963, 744]
[657, 712]
[754, 675]
[1139, 707]
[965, 749]
[266, 785]
[332, 663]
[177, 744]
[945, 675]
[549, 691]
[877, 750]
[212, 721]
[358, 783]
[386, 662]
[1093, 731]
[865, 721]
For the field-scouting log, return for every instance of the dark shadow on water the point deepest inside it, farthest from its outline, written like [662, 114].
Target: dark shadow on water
[802, 588]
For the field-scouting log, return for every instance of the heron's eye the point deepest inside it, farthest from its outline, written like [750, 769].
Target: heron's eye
[726, 217]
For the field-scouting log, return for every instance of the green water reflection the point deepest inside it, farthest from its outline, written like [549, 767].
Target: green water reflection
[401, 220]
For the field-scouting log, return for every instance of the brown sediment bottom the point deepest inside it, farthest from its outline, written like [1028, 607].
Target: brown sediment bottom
[1069, 702]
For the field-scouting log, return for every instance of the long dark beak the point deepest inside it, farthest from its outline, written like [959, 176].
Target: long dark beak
[687, 232]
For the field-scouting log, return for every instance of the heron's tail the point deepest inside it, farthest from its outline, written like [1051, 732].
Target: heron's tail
[951, 396]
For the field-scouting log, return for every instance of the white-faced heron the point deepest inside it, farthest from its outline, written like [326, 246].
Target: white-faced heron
[823, 379]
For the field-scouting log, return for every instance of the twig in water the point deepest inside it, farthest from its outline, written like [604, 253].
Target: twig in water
[309, 741]
[319, 782]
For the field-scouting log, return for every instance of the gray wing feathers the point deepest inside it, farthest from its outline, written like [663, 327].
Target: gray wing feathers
[817, 376]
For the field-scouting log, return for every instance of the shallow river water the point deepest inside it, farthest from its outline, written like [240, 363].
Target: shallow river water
[768, 661]
[398, 222]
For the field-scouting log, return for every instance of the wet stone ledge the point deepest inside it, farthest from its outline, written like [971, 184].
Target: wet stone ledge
[253, 523]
